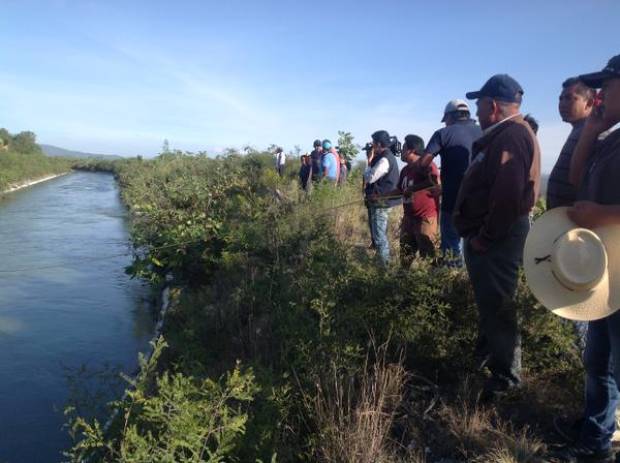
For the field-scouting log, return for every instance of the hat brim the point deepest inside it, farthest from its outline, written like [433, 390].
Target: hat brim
[596, 79]
[473, 95]
[594, 304]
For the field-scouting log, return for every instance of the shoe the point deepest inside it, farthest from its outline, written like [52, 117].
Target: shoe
[494, 389]
[578, 454]
[568, 430]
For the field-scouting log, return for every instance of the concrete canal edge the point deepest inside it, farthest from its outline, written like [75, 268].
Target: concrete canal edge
[28, 183]
[164, 305]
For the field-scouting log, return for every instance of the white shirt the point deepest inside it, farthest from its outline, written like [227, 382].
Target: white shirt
[280, 159]
[381, 168]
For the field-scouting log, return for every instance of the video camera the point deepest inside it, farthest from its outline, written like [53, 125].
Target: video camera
[396, 146]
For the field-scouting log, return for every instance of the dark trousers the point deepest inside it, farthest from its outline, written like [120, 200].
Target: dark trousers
[494, 276]
[601, 359]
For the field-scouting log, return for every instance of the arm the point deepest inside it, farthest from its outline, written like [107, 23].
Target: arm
[372, 174]
[589, 214]
[596, 124]
[432, 149]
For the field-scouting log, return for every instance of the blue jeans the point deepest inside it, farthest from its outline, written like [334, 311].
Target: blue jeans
[450, 240]
[378, 228]
[601, 359]
[494, 275]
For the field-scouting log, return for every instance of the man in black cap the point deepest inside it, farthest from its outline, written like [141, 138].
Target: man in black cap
[381, 177]
[315, 158]
[491, 213]
[594, 172]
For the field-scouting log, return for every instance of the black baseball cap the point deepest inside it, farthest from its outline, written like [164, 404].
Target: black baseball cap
[317, 142]
[499, 87]
[595, 79]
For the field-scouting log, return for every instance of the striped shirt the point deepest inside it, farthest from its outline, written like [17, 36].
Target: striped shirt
[560, 192]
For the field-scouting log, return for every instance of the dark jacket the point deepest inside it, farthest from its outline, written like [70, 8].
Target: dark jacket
[501, 184]
[386, 184]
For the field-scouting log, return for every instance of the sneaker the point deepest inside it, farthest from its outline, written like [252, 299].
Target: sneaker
[578, 454]
[568, 430]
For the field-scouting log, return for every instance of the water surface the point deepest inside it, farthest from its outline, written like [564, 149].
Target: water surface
[65, 302]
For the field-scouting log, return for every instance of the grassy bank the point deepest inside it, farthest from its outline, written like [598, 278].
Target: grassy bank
[287, 342]
[21, 160]
[17, 168]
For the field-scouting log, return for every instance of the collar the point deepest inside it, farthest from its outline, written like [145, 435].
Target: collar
[490, 132]
[497, 124]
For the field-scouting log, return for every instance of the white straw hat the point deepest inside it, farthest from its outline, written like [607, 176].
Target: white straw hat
[572, 271]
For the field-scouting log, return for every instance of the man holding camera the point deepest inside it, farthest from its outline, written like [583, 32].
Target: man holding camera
[381, 177]
[491, 213]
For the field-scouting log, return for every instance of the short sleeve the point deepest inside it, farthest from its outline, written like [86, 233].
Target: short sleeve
[434, 145]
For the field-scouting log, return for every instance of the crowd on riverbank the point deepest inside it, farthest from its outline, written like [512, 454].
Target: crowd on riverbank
[483, 197]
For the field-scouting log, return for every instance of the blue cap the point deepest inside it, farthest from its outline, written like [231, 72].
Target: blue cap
[327, 144]
[499, 87]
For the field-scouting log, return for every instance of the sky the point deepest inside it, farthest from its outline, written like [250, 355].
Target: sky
[119, 77]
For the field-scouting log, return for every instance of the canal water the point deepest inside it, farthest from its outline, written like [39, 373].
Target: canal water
[66, 307]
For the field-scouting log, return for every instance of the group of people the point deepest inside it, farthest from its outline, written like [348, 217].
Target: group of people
[325, 162]
[481, 202]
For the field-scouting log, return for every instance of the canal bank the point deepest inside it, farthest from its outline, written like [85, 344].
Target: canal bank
[25, 184]
[66, 306]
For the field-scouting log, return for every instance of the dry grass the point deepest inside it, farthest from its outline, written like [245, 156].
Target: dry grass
[355, 413]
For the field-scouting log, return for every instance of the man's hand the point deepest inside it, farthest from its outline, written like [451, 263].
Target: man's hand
[588, 214]
[598, 121]
[477, 246]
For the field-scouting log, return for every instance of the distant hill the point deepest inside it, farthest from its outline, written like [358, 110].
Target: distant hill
[55, 151]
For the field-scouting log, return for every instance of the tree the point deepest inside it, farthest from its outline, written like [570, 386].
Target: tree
[25, 142]
[165, 148]
[346, 147]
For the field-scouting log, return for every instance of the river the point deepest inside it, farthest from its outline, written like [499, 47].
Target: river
[66, 306]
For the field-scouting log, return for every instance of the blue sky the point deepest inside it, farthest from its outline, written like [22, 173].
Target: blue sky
[119, 77]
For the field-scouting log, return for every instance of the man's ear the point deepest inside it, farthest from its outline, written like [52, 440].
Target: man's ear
[590, 103]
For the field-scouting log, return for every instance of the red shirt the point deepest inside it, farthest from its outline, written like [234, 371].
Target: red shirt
[423, 204]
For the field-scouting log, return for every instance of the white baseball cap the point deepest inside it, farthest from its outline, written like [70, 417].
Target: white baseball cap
[453, 106]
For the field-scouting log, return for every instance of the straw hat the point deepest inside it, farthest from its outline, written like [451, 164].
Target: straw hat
[574, 272]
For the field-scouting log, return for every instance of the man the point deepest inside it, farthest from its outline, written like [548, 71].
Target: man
[305, 172]
[330, 162]
[491, 213]
[453, 143]
[315, 157]
[575, 105]
[381, 177]
[594, 172]
[280, 161]
[418, 229]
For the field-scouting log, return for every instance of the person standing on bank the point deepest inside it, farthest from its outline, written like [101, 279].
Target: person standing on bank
[418, 229]
[330, 163]
[594, 173]
[575, 105]
[315, 157]
[491, 213]
[453, 143]
[381, 177]
[280, 161]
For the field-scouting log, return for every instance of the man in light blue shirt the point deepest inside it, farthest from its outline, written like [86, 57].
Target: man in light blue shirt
[330, 162]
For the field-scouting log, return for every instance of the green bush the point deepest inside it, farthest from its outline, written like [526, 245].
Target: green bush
[268, 275]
